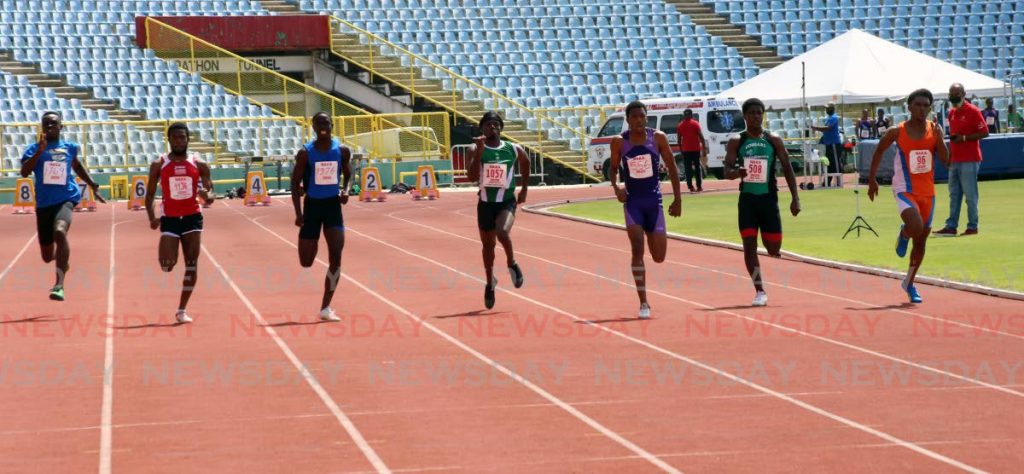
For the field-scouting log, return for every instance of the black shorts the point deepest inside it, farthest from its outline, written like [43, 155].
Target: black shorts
[760, 212]
[47, 217]
[179, 226]
[487, 213]
[317, 213]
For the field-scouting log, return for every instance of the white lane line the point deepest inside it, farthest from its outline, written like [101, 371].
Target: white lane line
[16, 257]
[806, 406]
[780, 327]
[342, 418]
[497, 366]
[745, 277]
[107, 404]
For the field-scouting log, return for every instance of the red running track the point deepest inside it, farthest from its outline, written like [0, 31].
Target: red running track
[836, 374]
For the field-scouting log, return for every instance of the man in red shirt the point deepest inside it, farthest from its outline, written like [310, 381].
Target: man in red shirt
[966, 129]
[693, 147]
[184, 179]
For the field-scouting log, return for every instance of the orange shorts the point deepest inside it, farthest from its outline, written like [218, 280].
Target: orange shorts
[925, 205]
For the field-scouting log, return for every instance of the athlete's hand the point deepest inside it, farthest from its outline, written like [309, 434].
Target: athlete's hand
[741, 172]
[298, 220]
[522, 197]
[794, 207]
[42, 140]
[154, 223]
[343, 198]
[620, 194]
[872, 189]
[206, 196]
[96, 192]
[479, 142]
[676, 208]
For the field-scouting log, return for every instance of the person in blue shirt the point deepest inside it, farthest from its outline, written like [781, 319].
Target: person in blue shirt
[51, 160]
[832, 141]
[322, 165]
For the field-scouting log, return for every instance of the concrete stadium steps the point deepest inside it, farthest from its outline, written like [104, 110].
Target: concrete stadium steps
[281, 7]
[348, 46]
[468, 110]
[62, 90]
[732, 35]
[87, 100]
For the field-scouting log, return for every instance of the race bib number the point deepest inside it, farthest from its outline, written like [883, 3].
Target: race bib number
[640, 166]
[181, 187]
[865, 133]
[55, 172]
[495, 175]
[920, 161]
[326, 172]
[757, 170]
[990, 120]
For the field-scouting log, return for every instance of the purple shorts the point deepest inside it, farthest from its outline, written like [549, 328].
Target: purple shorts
[645, 213]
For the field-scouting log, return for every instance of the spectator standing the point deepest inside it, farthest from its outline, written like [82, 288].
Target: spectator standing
[832, 141]
[966, 129]
[693, 148]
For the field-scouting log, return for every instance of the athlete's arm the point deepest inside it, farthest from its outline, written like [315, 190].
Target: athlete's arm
[29, 164]
[787, 169]
[154, 177]
[883, 144]
[674, 209]
[940, 146]
[346, 173]
[206, 191]
[731, 170]
[301, 161]
[83, 173]
[524, 173]
[613, 173]
[477, 154]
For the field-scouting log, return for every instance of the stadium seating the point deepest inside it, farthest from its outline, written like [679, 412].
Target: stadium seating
[981, 35]
[543, 53]
[93, 48]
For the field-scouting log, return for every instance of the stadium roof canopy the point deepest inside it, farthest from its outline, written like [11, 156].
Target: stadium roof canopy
[858, 67]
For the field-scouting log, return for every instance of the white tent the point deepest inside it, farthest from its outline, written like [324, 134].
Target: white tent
[858, 67]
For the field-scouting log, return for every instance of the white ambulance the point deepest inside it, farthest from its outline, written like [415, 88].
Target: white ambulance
[719, 118]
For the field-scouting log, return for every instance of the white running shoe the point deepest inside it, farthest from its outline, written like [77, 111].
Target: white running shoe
[760, 299]
[328, 314]
[645, 311]
[182, 317]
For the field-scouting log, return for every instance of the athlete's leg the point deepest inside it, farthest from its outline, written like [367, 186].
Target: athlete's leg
[191, 243]
[62, 251]
[335, 237]
[167, 251]
[503, 226]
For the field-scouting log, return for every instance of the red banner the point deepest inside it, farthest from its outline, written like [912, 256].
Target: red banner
[242, 34]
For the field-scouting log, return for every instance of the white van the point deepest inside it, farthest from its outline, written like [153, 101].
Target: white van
[719, 118]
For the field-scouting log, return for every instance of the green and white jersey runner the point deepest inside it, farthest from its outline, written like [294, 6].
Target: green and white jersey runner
[757, 155]
[497, 172]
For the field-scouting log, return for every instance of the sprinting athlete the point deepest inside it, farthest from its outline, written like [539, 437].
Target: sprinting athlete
[913, 182]
[183, 180]
[751, 156]
[51, 160]
[493, 163]
[323, 165]
[638, 154]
